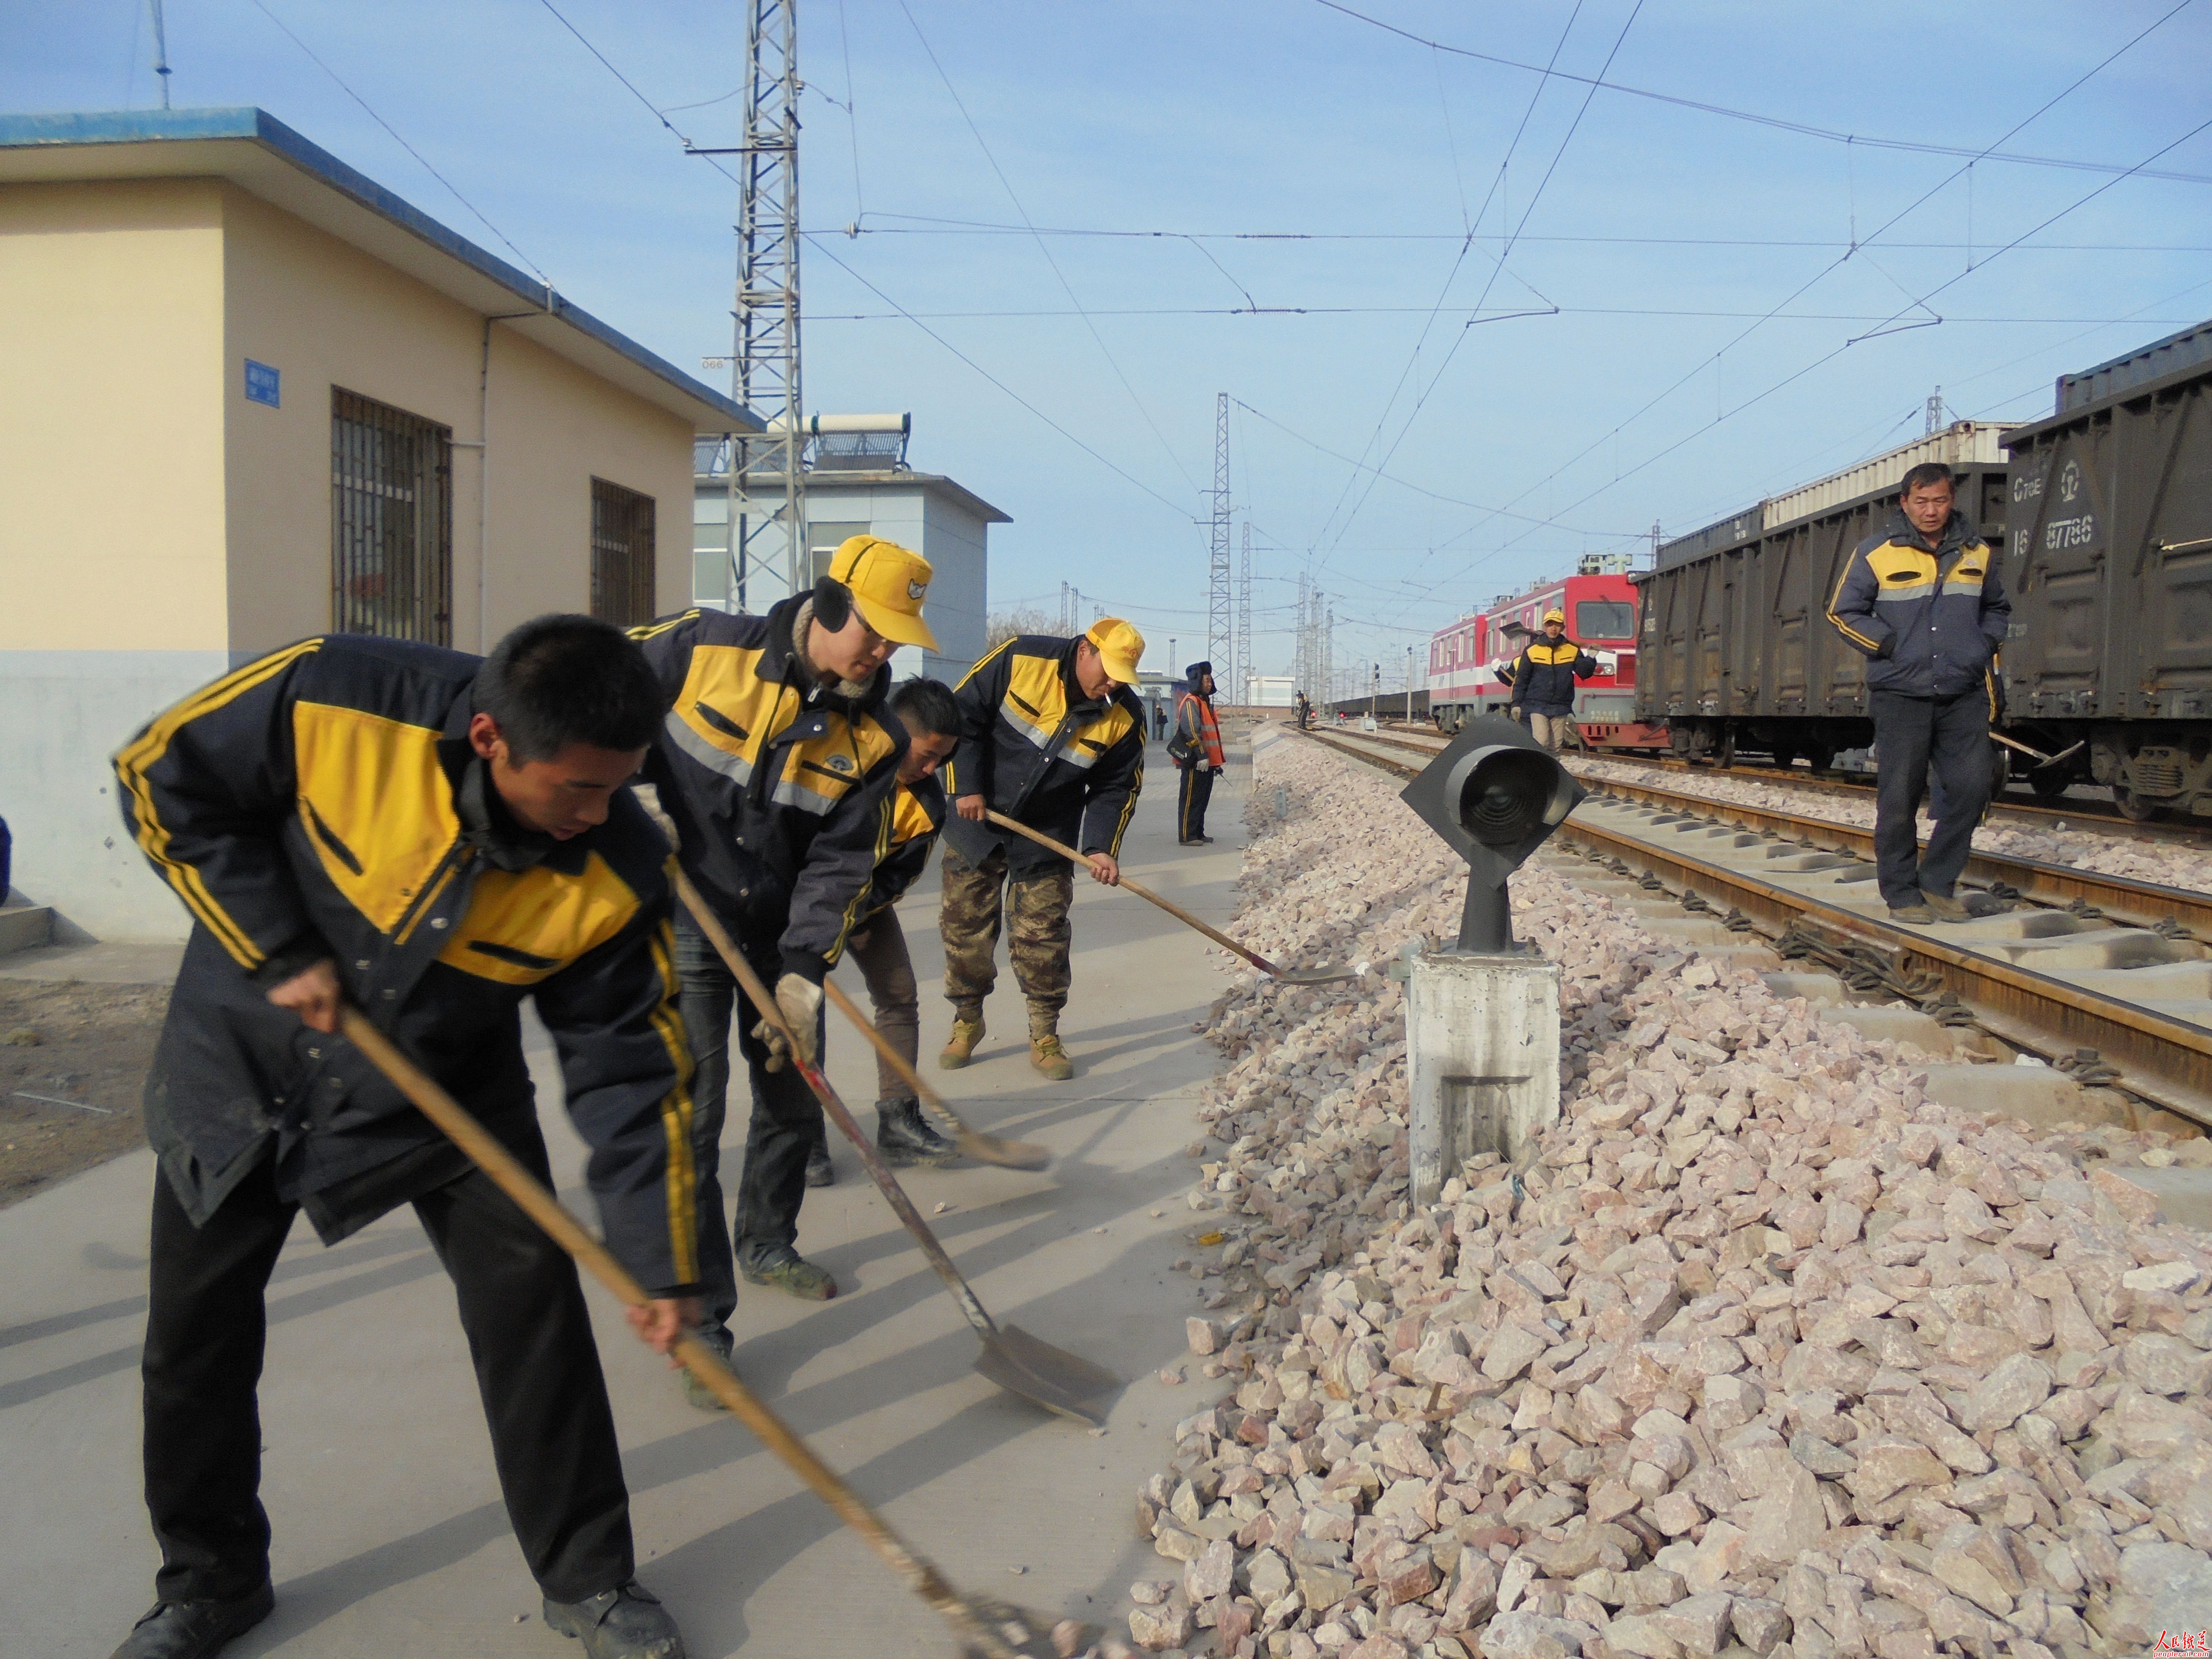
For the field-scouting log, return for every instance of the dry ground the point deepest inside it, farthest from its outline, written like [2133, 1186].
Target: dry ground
[69, 1042]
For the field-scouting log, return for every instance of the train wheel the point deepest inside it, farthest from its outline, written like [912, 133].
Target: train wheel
[2133, 807]
[2050, 783]
[1785, 756]
[1819, 754]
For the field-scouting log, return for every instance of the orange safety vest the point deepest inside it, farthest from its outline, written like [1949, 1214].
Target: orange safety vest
[1209, 729]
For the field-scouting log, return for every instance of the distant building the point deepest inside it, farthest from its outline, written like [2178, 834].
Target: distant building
[251, 396]
[859, 484]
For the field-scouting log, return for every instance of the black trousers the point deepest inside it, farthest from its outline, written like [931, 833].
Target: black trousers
[1192, 793]
[538, 1371]
[1914, 736]
[786, 1123]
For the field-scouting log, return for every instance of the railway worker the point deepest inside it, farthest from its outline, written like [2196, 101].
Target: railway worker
[1922, 600]
[1196, 753]
[777, 765]
[1050, 735]
[434, 837]
[930, 715]
[1543, 680]
[1304, 711]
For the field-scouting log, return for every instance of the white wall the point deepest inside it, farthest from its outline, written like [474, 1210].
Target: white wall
[62, 713]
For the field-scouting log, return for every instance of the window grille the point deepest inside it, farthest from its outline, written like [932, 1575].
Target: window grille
[621, 555]
[391, 522]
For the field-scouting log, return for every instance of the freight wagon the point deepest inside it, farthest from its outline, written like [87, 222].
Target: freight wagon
[2102, 517]
[2110, 565]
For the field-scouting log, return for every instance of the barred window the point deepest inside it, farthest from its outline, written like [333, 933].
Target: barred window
[621, 555]
[391, 522]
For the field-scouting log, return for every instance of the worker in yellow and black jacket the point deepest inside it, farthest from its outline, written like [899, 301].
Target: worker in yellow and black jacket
[930, 715]
[1922, 601]
[1050, 735]
[777, 762]
[1543, 680]
[433, 838]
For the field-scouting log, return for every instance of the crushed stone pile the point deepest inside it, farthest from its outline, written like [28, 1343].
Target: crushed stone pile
[2079, 849]
[1761, 1354]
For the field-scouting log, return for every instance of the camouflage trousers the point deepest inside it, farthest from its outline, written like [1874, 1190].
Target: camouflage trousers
[1038, 934]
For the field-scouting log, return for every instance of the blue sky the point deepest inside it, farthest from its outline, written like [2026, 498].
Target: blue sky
[1663, 234]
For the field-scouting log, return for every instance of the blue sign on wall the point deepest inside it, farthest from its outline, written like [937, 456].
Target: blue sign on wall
[263, 384]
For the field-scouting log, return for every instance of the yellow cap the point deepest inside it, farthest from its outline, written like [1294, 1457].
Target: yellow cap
[1121, 648]
[1555, 615]
[888, 583]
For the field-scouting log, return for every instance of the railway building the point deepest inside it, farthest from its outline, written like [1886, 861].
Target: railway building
[275, 400]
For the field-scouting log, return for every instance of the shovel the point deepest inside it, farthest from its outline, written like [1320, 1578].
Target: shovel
[984, 1149]
[986, 1628]
[1018, 1362]
[1288, 975]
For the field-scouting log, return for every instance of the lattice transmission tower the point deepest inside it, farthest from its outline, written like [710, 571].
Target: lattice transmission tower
[764, 374]
[1245, 667]
[1218, 648]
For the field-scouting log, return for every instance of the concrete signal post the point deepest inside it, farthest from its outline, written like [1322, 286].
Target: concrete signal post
[1482, 1015]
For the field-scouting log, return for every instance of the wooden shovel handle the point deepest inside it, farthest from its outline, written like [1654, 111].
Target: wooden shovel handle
[879, 1172]
[919, 1575]
[1172, 908]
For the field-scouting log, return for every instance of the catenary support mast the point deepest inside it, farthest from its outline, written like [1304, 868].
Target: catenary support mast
[1218, 646]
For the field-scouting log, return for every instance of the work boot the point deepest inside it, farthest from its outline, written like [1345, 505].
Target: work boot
[191, 1630]
[967, 1032]
[1915, 910]
[820, 1171]
[697, 1393]
[1950, 908]
[789, 1270]
[1045, 1052]
[905, 1137]
[624, 1623]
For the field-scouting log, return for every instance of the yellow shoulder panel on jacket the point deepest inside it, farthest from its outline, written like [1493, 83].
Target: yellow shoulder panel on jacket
[375, 803]
[990, 656]
[727, 710]
[909, 818]
[1037, 698]
[525, 925]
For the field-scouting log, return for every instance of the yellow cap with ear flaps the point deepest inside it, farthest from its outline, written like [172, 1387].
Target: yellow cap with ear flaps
[889, 583]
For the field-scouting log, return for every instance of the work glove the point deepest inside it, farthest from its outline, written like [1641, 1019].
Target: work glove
[1205, 765]
[798, 999]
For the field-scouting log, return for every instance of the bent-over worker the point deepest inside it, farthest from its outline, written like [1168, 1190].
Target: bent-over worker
[1922, 600]
[777, 764]
[1196, 752]
[433, 838]
[1052, 737]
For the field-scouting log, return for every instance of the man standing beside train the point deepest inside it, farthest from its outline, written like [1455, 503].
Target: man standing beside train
[1543, 680]
[1922, 602]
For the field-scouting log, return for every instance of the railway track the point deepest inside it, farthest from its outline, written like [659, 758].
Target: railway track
[2100, 816]
[2109, 979]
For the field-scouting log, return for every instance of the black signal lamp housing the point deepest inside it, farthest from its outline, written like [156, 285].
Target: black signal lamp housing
[1495, 795]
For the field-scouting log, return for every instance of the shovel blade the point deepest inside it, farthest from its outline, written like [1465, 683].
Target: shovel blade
[1006, 1154]
[1051, 1378]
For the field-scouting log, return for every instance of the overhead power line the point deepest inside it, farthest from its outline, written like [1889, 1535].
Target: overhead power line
[1803, 129]
[452, 190]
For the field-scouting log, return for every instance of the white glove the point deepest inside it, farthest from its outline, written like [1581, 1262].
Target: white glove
[798, 999]
[1203, 764]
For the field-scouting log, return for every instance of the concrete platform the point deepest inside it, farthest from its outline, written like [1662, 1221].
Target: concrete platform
[390, 1536]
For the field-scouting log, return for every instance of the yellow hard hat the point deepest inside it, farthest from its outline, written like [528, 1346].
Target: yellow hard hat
[1121, 648]
[1556, 615]
[888, 583]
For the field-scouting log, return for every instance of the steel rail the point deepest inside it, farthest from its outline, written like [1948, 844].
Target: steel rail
[2060, 886]
[2087, 816]
[2164, 1060]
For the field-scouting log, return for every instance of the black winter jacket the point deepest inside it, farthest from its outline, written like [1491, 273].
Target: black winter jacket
[780, 790]
[1040, 752]
[918, 814]
[1544, 675]
[1931, 618]
[324, 802]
